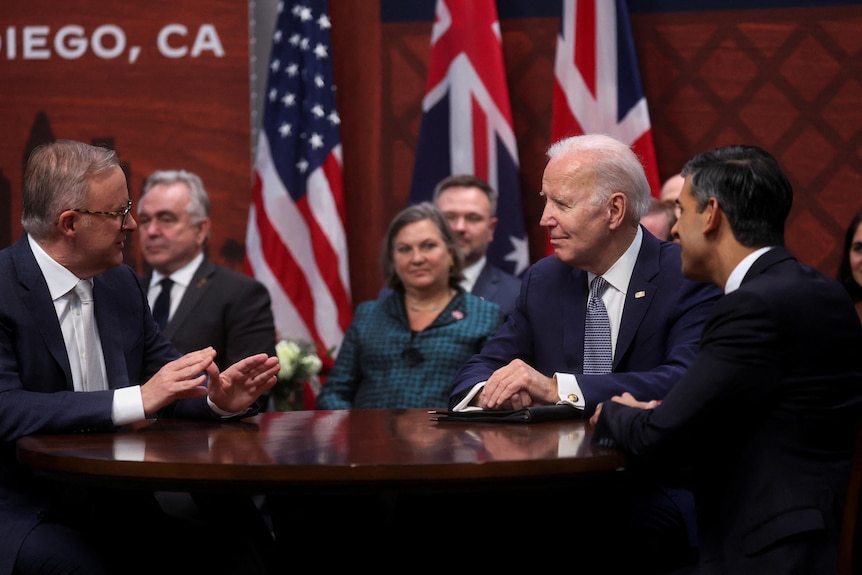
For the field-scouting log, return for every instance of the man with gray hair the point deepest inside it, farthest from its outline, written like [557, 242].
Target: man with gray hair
[197, 302]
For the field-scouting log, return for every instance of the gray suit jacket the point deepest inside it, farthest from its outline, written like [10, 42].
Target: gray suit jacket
[225, 309]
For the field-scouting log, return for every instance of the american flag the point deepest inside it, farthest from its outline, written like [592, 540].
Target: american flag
[295, 242]
[467, 120]
[597, 87]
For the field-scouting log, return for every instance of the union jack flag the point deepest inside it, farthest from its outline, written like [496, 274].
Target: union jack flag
[597, 87]
[295, 240]
[467, 120]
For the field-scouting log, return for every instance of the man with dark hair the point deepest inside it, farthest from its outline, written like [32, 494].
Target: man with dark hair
[767, 412]
[470, 207]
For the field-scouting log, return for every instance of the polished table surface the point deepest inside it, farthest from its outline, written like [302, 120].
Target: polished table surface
[392, 448]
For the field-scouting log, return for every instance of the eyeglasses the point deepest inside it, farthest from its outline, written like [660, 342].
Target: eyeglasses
[124, 213]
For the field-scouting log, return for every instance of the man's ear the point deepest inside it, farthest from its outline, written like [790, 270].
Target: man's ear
[66, 222]
[713, 216]
[616, 209]
[492, 226]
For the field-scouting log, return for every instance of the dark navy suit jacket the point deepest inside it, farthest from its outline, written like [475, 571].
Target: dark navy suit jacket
[658, 338]
[767, 413]
[225, 309]
[493, 284]
[36, 393]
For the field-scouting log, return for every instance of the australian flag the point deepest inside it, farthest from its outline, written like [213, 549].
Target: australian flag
[467, 120]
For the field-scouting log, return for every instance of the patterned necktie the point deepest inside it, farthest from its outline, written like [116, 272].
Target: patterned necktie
[598, 353]
[92, 374]
[162, 307]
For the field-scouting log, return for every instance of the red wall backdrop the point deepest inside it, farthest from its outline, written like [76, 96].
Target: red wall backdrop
[166, 83]
[786, 79]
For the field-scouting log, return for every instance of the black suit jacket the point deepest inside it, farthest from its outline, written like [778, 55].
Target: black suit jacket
[766, 414]
[225, 309]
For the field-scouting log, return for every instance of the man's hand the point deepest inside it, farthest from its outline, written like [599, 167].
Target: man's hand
[181, 378]
[517, 385]
[242, 383]
[626, 399]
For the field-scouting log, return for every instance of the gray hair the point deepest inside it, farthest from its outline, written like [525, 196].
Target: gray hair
[198, 207]
[56, 179]
[616, 167]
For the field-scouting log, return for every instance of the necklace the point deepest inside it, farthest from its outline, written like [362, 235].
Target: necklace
[433, 307]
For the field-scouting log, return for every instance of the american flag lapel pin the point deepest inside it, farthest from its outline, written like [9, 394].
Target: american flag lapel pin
[640, 294]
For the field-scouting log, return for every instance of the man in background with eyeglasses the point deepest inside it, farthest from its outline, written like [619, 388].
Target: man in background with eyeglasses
[80, 351]
[197, 304]
[208, 305]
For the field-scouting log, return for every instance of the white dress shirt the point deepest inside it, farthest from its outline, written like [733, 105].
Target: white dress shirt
[618, 277]
[127, 405]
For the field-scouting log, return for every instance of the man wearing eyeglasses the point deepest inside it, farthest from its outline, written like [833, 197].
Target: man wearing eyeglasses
[208, 305]
[62, 372]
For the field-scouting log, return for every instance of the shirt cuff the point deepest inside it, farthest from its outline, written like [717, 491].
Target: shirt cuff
[464, 404]
[569, 391]
[128, 406]
[221, 412]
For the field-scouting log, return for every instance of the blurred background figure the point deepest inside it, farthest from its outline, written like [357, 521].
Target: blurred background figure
[402, 349]
[850, 268]
[660, 218]
[671, 188]
[470, 207]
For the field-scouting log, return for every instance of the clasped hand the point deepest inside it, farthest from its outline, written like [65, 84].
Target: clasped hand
[626, 399]
[233, 390]
[517, 385]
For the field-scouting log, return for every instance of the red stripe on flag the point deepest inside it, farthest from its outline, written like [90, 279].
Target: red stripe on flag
[278, 258]
[585, 43]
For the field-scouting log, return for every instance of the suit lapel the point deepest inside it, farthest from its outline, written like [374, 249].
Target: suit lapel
[639, 295]
[574, 304]
[108, 298]
[201, 281]
[486, 284]
[37, 298]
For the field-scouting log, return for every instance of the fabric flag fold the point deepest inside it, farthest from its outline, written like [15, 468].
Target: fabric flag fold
[295, 241]
[467, 121]
[597, 84]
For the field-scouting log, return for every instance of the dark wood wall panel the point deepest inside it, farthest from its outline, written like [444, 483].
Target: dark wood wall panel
[788, 80]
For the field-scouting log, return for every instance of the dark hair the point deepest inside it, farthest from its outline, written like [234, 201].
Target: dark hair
[845, 273]
[749, 186]
[467, 181]
[410, 215]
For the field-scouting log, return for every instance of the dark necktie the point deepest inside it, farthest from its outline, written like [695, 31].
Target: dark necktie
[598, 353]
[163, 303]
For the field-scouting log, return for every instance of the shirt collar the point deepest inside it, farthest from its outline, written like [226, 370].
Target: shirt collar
[182, 276]
[735, 278]
[59, 279]
[620, 273]
[471, 274]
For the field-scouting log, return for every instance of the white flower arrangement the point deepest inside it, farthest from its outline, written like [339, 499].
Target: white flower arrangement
[298, 363]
